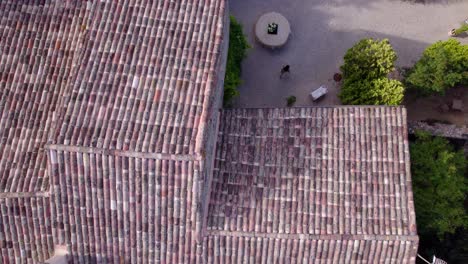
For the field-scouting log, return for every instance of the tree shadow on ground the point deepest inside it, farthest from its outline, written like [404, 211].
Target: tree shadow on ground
[314, 51]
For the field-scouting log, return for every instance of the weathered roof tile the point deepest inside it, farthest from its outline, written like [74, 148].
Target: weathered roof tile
[141, 209]
[144, 87]
[39, 46]
[122, 92]
[319, 172]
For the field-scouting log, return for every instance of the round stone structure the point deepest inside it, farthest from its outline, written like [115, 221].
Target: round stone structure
[272, 40]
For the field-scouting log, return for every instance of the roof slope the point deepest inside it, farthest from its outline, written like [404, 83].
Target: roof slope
[25, 229]
[145, 77]
[126, 161]
[39, 45]
[318, 172]
[130, 209]
[229, 248]
[123, 83]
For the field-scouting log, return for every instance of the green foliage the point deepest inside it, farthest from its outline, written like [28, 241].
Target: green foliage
[291, 100]
[463, 28]
[365, 69]
[368, 59]
[238, 47]
[439, 185]
[443, 65]
[382, 91]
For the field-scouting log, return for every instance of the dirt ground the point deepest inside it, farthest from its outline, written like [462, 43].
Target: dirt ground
[438, 107]
[322, 31]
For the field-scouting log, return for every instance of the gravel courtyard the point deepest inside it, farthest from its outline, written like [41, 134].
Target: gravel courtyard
[322, 30]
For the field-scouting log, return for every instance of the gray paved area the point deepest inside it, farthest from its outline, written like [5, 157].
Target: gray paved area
[322, 30]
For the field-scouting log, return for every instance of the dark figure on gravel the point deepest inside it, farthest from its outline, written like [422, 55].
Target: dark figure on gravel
[284, 70]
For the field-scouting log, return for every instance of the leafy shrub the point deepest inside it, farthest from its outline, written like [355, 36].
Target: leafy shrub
[443, 65]
[463, 28]
[365, 69]
[368, 59]
[382, 91]
[291, 100]
[439, 185]
[238, 47]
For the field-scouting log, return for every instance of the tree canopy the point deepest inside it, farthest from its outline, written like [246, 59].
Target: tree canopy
[365, 69]
[439, 185]
[382, 91]
[369, 59]
[443, 65]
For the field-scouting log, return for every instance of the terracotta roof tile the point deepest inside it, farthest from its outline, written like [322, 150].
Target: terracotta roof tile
[145, 77]
[118, 208]
[313, 171]
[25, 230]
[122, 95]
[254, 249]
[39, 44]
[128, 81]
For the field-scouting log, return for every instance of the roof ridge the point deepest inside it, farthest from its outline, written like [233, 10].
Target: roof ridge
[313, 106]
[10, 195]
[125, 153]
[405, 237]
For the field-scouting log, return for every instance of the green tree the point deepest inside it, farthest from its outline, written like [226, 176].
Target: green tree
[439, 185]
[368, 59]
[238, 47]
[365, 69]
[382, 91]
[443, 65]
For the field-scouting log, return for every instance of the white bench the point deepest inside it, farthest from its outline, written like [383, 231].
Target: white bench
[318, 93]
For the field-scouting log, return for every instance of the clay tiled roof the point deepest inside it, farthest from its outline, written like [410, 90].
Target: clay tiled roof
[145, 77]
[125, 83]
[308, 173]
[39, 43]
[337, 249]
[25, 229]
[133, 209]
[108, 125]
[127, 160]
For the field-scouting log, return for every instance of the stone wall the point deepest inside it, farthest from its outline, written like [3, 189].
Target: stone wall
[208, 150]
[444, 130]
[439, 129]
